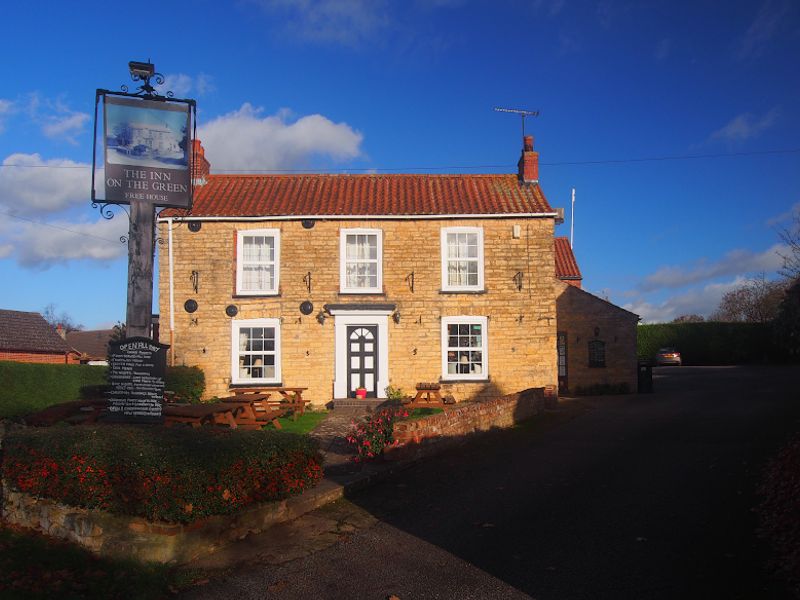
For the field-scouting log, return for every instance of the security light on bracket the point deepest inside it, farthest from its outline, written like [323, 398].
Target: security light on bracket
[141, 70]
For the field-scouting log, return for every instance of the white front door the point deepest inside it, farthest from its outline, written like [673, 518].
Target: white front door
[362, 353]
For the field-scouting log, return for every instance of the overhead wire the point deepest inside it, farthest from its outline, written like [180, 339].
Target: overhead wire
[606, 161]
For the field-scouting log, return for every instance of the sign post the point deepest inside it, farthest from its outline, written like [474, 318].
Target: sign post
[147, 141]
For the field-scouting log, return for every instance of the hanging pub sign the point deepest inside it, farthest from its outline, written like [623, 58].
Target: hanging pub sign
[147, 151]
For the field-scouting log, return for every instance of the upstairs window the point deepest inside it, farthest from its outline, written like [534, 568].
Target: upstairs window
[464, 348]
[258, 262]
[462, 259]
[597, 353]
[361, 269]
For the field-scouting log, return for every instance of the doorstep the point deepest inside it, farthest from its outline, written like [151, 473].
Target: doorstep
[368, 404]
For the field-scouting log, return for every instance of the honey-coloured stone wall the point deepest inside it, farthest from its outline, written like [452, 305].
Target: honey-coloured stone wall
[521, 322]
[583, 318]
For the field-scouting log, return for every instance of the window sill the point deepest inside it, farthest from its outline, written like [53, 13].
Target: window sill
[483, 291]
[257, 295]
[460, 380]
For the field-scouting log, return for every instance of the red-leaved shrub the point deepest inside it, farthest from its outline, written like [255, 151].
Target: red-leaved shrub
[176, 475]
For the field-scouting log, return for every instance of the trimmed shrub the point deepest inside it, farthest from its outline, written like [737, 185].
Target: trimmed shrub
[188, 383]
[710, 343]
[30, 387]
[174, 475]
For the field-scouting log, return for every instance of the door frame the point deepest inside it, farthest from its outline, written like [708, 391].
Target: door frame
[362, 371]
[563, 380]
[343, 318]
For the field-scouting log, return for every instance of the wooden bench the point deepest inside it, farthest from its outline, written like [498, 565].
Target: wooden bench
[428, 392]
[290, 398]
[197, 415]
[254, 410]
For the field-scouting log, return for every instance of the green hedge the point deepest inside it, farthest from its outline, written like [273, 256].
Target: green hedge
[174, 475]
[188, 383]
[710, 343]
[28, 387]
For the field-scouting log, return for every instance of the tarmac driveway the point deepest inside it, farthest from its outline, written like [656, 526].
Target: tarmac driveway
[639, 496]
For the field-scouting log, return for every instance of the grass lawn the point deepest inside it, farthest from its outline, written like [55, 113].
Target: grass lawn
[305, 422]
[34, 566]
[420, 413]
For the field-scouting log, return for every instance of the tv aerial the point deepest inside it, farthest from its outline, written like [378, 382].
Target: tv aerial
[519, 111]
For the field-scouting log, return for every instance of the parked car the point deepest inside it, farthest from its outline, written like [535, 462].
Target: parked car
[668, 356]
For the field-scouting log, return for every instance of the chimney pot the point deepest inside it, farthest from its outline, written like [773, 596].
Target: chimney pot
[528, 165]
[527, 143]
[201, 168]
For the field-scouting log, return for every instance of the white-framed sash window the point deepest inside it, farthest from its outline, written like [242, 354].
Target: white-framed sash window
[361, 261]
[256, 351]
[258, 261]
[465, 348]
[462, 259]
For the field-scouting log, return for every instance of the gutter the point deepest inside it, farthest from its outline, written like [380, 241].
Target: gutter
[363, 217]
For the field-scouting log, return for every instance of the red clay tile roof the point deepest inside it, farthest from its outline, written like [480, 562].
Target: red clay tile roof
[29, 332]
[566, 265]
[92, 344]
[363, 195]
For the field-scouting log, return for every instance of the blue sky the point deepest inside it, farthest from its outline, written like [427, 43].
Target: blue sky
[409, 86]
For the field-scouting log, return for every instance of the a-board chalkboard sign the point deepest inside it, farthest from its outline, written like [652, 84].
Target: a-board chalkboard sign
[136, 368]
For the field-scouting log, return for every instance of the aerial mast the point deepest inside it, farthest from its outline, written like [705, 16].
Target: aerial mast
[519, 111]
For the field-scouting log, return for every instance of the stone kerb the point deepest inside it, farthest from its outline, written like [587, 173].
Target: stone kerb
[423, 437]
[118, 536]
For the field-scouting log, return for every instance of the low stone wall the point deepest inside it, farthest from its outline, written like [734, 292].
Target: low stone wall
[118, 536]
[423, 437]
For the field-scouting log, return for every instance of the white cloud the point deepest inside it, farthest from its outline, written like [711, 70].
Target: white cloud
[344, 22]
[701, 301]
[204, 84]
[56, 119]
[6, 108]
[66, 126]
[745, 126]
[33, 189]
[182, 85]
[735, 262]
[784, 216]
[31, 184]
[42, 244]
[244, 140]
[766, 24]
[179, 84]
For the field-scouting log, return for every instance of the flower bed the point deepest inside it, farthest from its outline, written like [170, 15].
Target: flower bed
[174, 475]
[373, 434]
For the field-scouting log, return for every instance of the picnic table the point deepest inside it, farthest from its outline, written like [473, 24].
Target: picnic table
[289, 398]
[253, 410]
[196, 415]
[428, 392]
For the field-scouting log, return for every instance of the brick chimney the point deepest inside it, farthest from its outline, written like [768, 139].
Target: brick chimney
[528, 165]
[200, 165]
[61, 331]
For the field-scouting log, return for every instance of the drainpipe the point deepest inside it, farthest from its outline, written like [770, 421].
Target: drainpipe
[171, 297]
